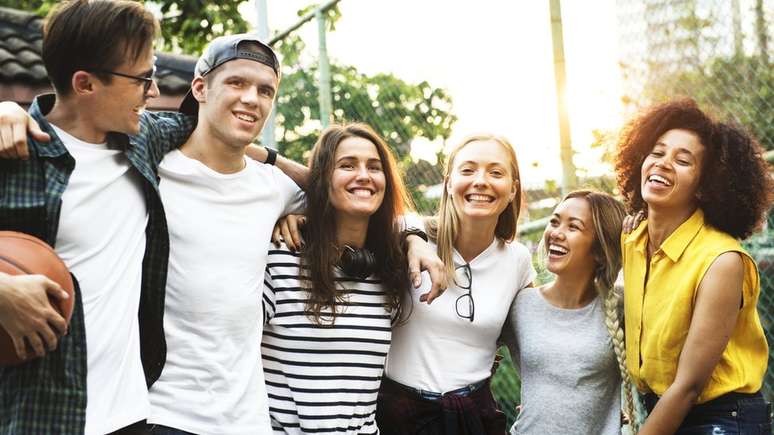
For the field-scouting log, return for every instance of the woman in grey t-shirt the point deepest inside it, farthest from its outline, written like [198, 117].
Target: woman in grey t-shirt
[565, 336]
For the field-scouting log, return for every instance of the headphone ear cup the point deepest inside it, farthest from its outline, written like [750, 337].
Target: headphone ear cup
[358, 263]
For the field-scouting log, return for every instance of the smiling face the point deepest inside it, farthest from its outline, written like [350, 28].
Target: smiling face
[481, 183]
[357, 182]
[235, 100]
[569, 238]
[122, 99]
[672, 171]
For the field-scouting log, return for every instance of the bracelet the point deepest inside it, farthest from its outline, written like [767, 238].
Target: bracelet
[414, 232]
[271, 158]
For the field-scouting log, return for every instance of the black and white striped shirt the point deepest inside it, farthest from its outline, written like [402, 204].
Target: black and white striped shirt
[322, 378]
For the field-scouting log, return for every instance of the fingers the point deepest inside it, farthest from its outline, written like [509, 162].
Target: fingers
[276, 236]
[632, 221]
[20, 347]
[58, 323]
[54, 290]
[438, 278]
[294, 227]
[6, 142]
[286, 234]
[432, 295]
[49, 337]
[627, 224]
[36, 344]
[19, 137]
[414, 272]
[34, 130]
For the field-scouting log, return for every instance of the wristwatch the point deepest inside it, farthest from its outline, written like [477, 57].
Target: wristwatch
[271, 157]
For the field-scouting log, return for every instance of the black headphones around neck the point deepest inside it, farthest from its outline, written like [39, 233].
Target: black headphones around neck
[357, 262]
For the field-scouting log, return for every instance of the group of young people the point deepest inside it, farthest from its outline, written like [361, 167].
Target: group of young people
[188, 320]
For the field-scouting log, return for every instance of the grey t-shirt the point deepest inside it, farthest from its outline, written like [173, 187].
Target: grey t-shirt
[570, 382]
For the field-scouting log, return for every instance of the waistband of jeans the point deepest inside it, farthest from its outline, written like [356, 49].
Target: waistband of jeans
[432, 395]
[726, 402]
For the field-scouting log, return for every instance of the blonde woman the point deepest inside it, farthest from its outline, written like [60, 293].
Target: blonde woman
[565, 337]
[438, 368]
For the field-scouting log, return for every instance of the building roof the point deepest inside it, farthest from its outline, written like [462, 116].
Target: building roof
[21, 38]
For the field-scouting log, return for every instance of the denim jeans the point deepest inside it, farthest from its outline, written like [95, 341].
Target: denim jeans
[157, 429]
[730, 414]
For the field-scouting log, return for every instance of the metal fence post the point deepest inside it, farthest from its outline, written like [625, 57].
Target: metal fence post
[569, 180]
[325, 70]
[262, 21]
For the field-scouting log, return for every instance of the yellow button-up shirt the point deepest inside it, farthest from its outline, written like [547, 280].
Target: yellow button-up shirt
[659, 311]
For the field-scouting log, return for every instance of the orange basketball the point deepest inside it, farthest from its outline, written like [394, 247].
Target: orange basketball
[22, 254]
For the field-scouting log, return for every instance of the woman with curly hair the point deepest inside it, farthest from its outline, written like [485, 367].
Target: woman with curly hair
[694, 342]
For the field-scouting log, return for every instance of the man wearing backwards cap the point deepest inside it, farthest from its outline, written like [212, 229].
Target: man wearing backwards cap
[221, 208]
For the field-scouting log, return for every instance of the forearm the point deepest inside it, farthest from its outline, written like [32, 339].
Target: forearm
[670, 411]
[296, 171]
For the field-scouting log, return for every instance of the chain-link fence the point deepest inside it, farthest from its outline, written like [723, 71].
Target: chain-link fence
[720, 53]
[716, 51]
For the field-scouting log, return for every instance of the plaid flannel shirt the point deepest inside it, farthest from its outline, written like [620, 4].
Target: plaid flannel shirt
[48, 395]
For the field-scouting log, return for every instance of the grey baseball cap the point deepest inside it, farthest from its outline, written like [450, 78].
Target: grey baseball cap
[222, 50]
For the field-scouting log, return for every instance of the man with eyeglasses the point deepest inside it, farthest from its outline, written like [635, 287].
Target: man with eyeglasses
[97, 125]
[89, 187]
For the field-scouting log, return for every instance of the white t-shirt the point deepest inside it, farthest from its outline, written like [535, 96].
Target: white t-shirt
[101, 239]
[439, 351]
[219, 229]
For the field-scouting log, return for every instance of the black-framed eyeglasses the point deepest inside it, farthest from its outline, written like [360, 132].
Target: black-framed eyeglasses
[147, 80]
[464, 305]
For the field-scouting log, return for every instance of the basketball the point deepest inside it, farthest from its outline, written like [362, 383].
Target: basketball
[22, 254]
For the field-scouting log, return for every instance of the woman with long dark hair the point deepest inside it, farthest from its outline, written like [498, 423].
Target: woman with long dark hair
[329, 308]
[694, 342]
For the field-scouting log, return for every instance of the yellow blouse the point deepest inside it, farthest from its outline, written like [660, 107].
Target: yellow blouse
[659, 311]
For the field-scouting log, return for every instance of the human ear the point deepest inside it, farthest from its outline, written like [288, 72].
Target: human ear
[82, 82]
[199, 89]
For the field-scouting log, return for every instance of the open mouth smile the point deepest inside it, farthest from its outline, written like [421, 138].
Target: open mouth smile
[479, 198]
[555, 250]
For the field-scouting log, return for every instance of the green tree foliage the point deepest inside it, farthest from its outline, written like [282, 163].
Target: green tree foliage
[738, 87]
[188, 25]
[40, 7]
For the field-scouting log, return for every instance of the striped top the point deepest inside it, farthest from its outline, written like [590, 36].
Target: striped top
[322, 378]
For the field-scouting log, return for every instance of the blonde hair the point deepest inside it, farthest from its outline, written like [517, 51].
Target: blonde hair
[445, 225]
[607, 216]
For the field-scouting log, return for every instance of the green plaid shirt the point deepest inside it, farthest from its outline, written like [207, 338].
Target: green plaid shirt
[48, 395]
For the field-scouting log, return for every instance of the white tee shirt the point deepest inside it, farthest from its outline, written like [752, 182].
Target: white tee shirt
[439, 351]
[101, 239]
[219, 228]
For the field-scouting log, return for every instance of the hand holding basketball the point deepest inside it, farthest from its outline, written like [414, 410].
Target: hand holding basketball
[27, 315]
[36, 297]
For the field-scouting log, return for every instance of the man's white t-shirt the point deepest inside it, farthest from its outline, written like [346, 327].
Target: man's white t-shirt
[438, 350]
[101, 239]
[220, 229]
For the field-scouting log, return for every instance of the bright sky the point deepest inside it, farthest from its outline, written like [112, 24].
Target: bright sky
[494, 58]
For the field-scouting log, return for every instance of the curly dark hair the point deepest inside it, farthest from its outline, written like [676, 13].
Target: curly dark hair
[735, 187]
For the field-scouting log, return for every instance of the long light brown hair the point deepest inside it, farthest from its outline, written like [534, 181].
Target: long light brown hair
[444, 227]
[321, 253]
[607, 214]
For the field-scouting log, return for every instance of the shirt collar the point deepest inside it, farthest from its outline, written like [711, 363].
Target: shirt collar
[40, 107]
[674, 246]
